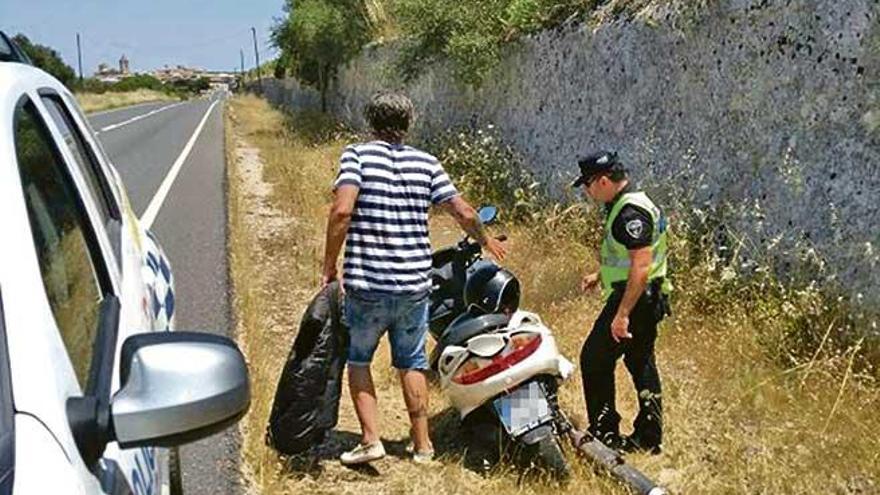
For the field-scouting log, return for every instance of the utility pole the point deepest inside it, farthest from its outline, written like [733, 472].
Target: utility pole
[257, 57]
[241, 86]
[79, 57]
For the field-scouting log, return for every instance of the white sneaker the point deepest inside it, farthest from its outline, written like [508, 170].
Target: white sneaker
[363, 453]
[423, 457]
[411, 450]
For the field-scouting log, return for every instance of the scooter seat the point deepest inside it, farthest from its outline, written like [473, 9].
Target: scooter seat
[467, 325]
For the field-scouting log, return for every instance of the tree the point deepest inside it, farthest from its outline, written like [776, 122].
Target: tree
[472, 33]
[47, 59]
[279, 69]
[319, 36]
[190, 85]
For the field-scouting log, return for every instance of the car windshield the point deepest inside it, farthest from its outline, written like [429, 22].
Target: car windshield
[10, 52]
[6, 53]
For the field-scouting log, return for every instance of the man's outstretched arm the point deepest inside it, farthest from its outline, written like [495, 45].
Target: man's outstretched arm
[469, 221]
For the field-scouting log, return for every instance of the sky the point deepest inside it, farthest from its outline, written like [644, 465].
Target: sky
[151, 33]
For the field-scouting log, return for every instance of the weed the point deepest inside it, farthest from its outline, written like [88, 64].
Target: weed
[95, 102]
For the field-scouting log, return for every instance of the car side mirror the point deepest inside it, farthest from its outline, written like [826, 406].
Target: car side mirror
[487, 214]
[178, 387]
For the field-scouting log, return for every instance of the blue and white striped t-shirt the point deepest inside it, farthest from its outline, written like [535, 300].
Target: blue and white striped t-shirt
[387, 248]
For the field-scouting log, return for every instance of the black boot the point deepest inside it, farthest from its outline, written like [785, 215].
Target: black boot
[648, 426]
[605, 427]
[632, 443]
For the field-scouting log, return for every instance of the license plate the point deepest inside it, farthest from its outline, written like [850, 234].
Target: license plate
[523, 409]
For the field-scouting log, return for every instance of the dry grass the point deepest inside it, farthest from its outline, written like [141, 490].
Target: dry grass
[735, 421]
[96, 102]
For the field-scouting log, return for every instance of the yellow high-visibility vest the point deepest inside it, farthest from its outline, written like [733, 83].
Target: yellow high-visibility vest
[615, 262]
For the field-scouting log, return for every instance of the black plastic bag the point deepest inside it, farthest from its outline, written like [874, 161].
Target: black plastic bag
[306, 404]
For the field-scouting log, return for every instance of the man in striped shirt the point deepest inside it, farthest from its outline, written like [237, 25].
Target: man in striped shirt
[382, 196]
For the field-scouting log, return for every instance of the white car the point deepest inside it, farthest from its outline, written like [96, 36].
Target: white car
[94, 385]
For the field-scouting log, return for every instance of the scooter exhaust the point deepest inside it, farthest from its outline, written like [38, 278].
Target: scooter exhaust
[613, 462]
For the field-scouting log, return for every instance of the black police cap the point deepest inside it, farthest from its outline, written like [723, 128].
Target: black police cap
[595, 163]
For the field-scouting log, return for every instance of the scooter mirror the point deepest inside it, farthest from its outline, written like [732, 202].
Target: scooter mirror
[488, 214]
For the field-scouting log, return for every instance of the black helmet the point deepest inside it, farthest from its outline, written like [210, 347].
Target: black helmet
[491, 288]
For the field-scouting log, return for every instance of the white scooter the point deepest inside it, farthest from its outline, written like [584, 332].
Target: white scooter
[499, 365]
[501, 368]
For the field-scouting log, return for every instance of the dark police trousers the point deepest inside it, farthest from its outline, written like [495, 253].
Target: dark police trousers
[598, 359]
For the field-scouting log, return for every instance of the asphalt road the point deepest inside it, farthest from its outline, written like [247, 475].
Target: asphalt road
[145, 142]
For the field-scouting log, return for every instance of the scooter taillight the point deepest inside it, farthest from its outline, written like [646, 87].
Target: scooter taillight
[474, 370]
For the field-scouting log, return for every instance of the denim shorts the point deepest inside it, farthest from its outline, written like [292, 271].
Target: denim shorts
[405, 317]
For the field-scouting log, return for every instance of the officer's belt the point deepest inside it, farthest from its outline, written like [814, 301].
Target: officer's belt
[654, 286]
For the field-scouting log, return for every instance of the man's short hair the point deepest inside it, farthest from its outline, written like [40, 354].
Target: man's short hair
[389, 113]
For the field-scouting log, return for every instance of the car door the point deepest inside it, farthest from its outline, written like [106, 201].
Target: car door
[137, 469]
[7, 414]
[71, 214]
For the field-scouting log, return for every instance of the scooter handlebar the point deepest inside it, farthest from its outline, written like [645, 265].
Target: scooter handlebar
[469, 248]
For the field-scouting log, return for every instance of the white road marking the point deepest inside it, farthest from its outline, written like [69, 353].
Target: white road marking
[119, 109]
[153, 209]
[138, 117]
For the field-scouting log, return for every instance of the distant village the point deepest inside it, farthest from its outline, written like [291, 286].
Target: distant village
[108, 74]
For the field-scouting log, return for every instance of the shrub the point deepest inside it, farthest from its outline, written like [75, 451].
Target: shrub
[185, 86]
[489, 172]
[472, 33]
[92, 85]
[138, 81]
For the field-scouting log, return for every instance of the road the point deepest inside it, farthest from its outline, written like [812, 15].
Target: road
[149, 144]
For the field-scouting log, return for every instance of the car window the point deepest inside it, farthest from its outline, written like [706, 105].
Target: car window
[84, 123]
[74, 278]
[84, 157]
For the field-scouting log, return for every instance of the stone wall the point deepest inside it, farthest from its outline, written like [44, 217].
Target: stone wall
[289, 93]
[766, 110]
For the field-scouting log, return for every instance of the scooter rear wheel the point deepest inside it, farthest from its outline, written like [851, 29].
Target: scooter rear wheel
[549, 453]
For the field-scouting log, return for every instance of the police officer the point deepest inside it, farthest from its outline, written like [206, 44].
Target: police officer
[634, 287]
